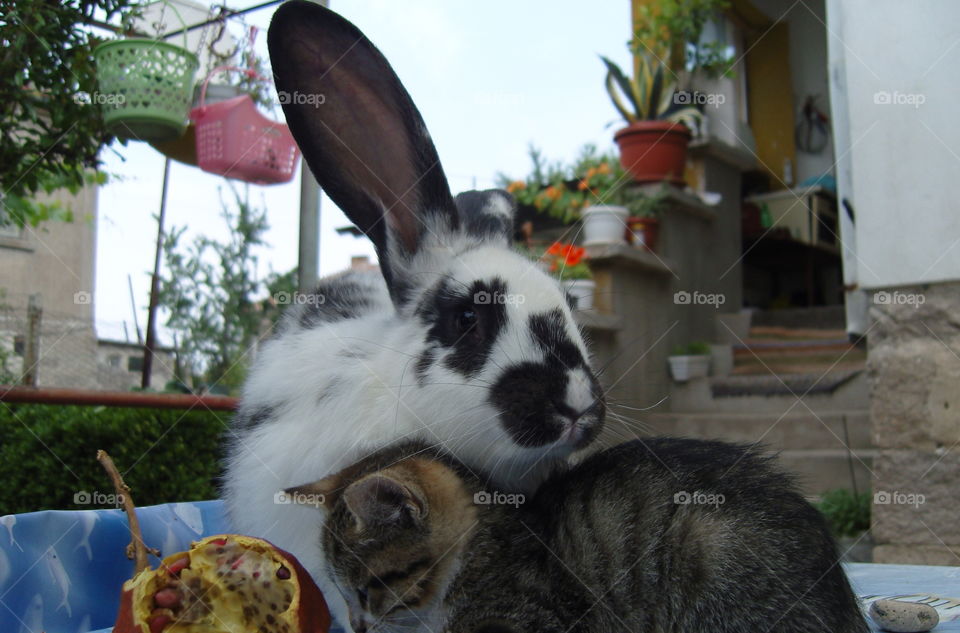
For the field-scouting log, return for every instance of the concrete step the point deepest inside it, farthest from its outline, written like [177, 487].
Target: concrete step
[778, 332]
[797, 430]
[820, 471]
[769, 393]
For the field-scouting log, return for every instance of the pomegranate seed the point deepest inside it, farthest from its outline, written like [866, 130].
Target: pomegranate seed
[178, 565]
[167, 598]
[283, 573]
[219, 541]
[158, 622]
[236, 563]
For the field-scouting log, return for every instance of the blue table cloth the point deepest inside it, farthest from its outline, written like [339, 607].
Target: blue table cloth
[61, 572]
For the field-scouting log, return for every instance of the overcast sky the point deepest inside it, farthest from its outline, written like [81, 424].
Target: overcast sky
[489, 79]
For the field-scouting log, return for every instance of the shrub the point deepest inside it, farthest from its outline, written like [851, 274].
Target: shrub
[848, 513]
[48, 454]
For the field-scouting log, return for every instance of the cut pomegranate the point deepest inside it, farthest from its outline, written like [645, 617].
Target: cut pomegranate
[224, 584]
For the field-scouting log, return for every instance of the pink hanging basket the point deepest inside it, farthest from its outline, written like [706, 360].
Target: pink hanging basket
[235, 141]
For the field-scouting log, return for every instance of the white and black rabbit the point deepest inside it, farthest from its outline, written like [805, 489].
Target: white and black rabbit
[466, 344]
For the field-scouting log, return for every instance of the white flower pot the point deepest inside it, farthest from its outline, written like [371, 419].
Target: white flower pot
[604, 224]
[683, 368]
[582, 292]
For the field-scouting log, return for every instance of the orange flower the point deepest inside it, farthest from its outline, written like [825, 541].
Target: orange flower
[516, 185]
[552, 192]
[603, 168]
[575, 255]
[582, 185]
[557, 249]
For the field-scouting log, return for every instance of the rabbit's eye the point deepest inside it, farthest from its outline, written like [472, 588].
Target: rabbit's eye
[466, 320]
[362, 596]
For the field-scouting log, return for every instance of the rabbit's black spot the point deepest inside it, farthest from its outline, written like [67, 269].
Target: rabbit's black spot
[424, 363]
[466, 320]
[550, 332]
[334, 299]
[487, 215]
[251, 418]
[529, 397]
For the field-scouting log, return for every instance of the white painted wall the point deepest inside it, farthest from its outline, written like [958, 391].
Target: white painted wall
[899, 61]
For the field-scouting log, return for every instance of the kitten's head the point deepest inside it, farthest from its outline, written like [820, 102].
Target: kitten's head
[393, 538]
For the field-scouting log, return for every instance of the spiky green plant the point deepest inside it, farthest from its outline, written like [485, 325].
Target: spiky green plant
[650, 96]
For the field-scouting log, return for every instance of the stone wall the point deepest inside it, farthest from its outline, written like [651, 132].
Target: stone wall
[914, 369]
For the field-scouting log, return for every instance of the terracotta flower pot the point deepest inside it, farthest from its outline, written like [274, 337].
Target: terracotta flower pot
[654, 151]
[643, 232]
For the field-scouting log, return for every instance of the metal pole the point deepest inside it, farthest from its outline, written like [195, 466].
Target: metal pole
[309, 258]
[308, 266]
[133, 308]
[31, 350]
[155, 286]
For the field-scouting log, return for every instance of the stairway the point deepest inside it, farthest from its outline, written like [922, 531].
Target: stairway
[798, 387]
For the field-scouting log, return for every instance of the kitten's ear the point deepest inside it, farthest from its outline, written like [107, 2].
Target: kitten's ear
[379, 499]
[321, 494]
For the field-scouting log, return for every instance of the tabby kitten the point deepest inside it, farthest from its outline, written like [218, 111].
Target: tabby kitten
[656, 535]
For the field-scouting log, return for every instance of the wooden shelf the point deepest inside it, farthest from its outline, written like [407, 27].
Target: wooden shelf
[602, 255]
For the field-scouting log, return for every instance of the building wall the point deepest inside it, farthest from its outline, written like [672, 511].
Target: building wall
[899, 60]
[893, 68]
[118, 366]
[55, 261]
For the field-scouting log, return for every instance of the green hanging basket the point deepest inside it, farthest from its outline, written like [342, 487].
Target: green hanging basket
[147, 87]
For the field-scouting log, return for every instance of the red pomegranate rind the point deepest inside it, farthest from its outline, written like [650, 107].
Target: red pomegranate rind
[148, 598]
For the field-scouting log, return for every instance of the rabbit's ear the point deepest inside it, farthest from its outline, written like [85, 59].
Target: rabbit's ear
[487, 215]
[360, 132]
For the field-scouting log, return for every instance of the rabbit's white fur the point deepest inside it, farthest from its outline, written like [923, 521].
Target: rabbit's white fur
[341, 390]
[506, 388]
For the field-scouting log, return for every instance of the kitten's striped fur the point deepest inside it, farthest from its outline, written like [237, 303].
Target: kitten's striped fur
[603, 546]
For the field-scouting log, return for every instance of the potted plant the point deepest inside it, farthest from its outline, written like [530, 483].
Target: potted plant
[568, 262]
[653, 145]
[848, 514]
[585, 189]
[689, 361]
[643, 225]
